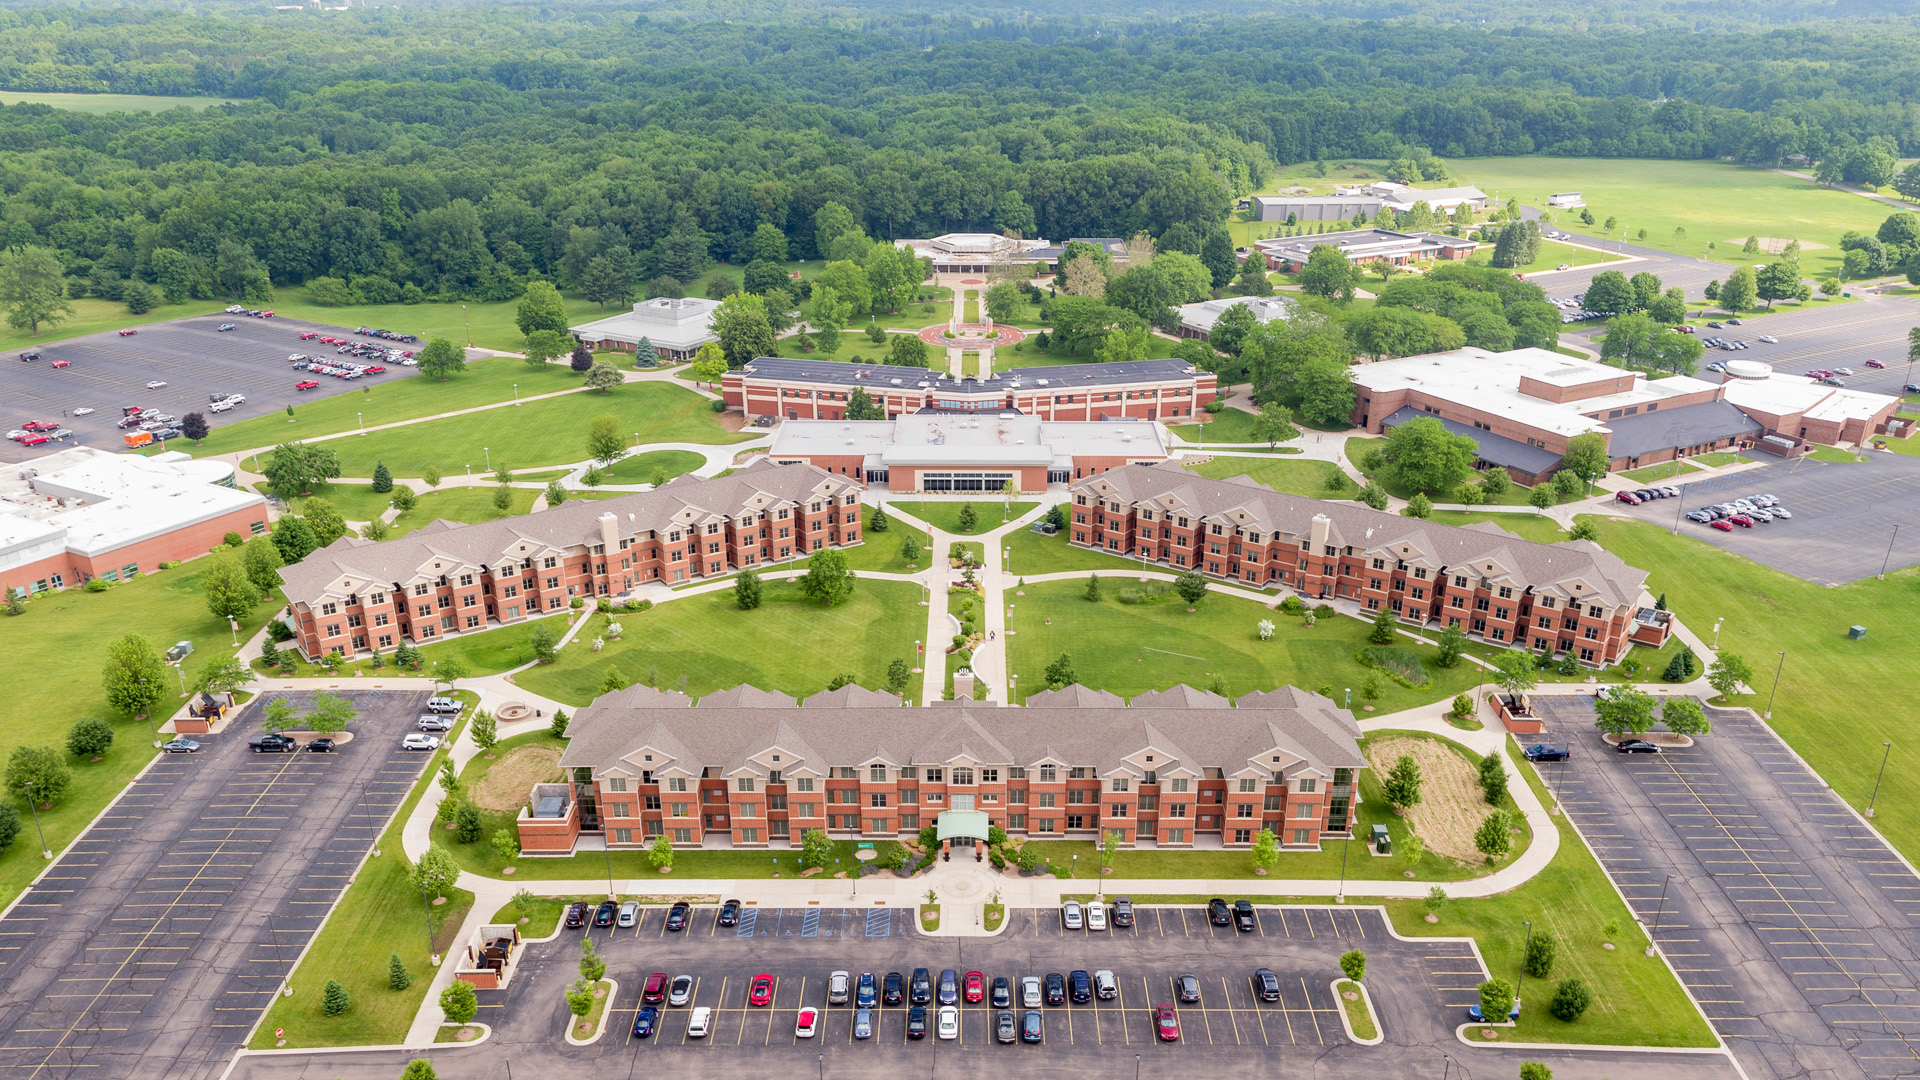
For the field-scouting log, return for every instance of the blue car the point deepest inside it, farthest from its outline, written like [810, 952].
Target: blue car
[864, 992]
[646, 1021]
[1474, 1013]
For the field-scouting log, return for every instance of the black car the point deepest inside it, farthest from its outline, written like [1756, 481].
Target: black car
[1218, 913]
[1911, 388]
[1122, 912]
[949, 986]
[29, 357]
[1080, 987]
[1546, 752]
[1716, 326]
[272, 744]
[1637, 746]
[920, 988]
[576, 916]
[1266, 985]
[1187, 987]
[1030, 1027]
[1002, 993]
[1243, 916]
[1056, 984]
[320, 746]
[917, 1022]
[730, 913]
[890, 989]
[606, 913]
[677, 915]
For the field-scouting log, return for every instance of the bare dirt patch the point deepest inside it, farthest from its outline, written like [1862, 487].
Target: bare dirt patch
[506, 784]
[1451, 805]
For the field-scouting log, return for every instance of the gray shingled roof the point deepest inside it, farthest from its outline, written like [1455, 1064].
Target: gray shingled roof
[1688, 425]
[1242, 501]
[1180, 696]
[1075, 696]
[1511, 453]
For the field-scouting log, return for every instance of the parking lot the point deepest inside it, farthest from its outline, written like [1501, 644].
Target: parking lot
[152, 945]
[1790, 922]
[107, 373]
[1843, 515]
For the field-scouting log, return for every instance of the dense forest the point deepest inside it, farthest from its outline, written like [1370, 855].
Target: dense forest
[460, 149]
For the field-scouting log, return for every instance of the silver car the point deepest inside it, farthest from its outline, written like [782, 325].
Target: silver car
[629, 913]
[1030, 991]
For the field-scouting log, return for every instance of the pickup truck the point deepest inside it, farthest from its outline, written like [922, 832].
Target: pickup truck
[272, 744]
[308, 385]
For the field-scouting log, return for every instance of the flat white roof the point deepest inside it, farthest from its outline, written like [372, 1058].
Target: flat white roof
[953, 439]
[1782, 393]
[1203, 315]
[94, 501]
[1490, 383]
[1645, 390]
[675, 323]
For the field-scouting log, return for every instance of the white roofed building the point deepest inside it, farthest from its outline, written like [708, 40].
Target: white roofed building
[940, 452]
[1196, 320]
[675, 327]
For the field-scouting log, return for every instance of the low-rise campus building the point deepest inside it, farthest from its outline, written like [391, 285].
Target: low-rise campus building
[980, 253]
[1803, 409]
[945, 452]
[358, 596]
[748, 768]
[1196, 320]
[1366, 246]
[1347, 203]
[676, 328]
[84, 513]
[820, 389]
[1571, 598]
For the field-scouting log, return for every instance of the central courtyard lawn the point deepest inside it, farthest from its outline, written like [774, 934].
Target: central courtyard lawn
[880, 551]
[489, 381]
[471, 505]
[945, 516]
[639, 468]
[1636, 1001]
[550, 432]
[1534, 527]
[1838, 698]
[1308, 478]
[54, 651]
[1229, 425]
[1664, 471]
[1661, 196]
[702, 643]
[1036, 553]
[1131, 648]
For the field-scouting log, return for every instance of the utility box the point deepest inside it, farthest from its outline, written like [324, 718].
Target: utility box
[1857, 633]
[1382, 842]
[180, 651]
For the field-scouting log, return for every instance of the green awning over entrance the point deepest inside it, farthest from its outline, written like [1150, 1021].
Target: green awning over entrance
[962, 825]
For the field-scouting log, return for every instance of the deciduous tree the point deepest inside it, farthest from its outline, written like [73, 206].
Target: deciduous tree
[33, 288]
[38, 770]
[441, 359]
[828, 579]
[132, 674]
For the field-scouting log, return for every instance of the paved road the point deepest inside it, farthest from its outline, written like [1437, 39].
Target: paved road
[190, 355]
[1789, 920]
[152, 945]
[1419, 988]
[1689, 273]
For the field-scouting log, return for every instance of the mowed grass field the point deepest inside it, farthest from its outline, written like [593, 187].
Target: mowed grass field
[91, 316]
[55, 651]
[489, 326]
[1712, 201]
[105, 103]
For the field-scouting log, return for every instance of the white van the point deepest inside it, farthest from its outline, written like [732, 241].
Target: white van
[697, 1022]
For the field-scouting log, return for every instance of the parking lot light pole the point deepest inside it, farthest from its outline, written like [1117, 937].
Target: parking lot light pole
[1341, 896]
[428, 906]
[1716, 632]
[34, 805]
[1889, 559]
[1886, 751]
[1768, 715]
[609, 851]
[1522, 984]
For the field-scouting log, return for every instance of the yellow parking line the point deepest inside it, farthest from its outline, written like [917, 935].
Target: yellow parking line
[1227, 996]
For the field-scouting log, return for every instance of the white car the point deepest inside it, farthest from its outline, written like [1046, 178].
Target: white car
[1070, 915]
[156, 384]
[1096, 915]
[418, 741]
[949, 1024]
[409, 362]
[83, 412]
[809, 1022]
[1769, 339]
[18, 433]
[220, 406]
[699, 1022]
[1843, 371]
[236, 399]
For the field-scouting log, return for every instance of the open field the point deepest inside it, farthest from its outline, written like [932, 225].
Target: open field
[105, 103]
[1661, 196]
[90, 316]
[1037, 553]
[1554, 254]
[945, 516]
[703, 643]
[1308, 478]
[640, 468]
[61, 640]
[489, 326]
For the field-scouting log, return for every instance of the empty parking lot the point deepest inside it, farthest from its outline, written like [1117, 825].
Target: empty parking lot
[1844, 515]
[108, 373]
[153, 944]
[1790, 921]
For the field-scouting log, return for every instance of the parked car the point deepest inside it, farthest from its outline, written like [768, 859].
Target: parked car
[307, 385]
[420, 741]
[1722, 524]
[1218, 913]
[1006, 1028]
[1187, 988]
[1637, 746]
[920, 987]
[226, 326]
[1079, 987]
[866, 991]
[1843, 371]
[890, 989]
[1105, 986]
[1779, 512]
[863, 1024]
[1742, 520]
[435, 723]
[1096, 916]
[1070, 916]
[806, 1023]
[1166, 1023]
[1122, 912]
[730, 913]
[444, 706]
[630, 917]
[308, 335]
[1030, 991]
[576, 916]
[1771, 340]
[272, 743]
[1031, 1027]
[1546, 752]
[1243, 916]
[1056, 984]
[948, 1024]
[321, 746]
[1474, 1013]
[645, 1021]
[1001, 994]
[699, 1022]
[973, 987]
[1266, 985]
[760, 990]
[654, 990]
[1628, 497]
[680, 991]
[677, 915]
[181, 746]
[83, 412]
[917, 1022]
[839, 986]
[606, 913]
[61, 364]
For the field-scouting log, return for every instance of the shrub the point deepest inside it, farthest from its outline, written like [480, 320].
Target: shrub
[1534, 1070]
[98, 585]
[1403, 666]
[1463, 705]
[467, 823]
[1570, 1000]
[1494, 837]
[1324, 611]
[1541, 950]
[398, 977]
[89, 736]
[1293, 605]
[1493, 778]
[1354, 963]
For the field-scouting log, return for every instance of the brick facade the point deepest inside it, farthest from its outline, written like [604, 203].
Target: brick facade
[819, 390]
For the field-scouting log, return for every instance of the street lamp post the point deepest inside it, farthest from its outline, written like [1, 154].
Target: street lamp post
[362, 418]
[1349, 699]
[609, 850]
[1522, 984]
[427, 905]
[1886, 751]
[467, 321]
[1007, 554]
[1341, 896]
[1768, 715]
[488, 450]
[1889, 559]
[34, 805]
[516, 393]
[1716, 632]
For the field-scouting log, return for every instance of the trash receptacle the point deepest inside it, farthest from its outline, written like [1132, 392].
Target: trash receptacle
[1382, 843]
[1857, 633]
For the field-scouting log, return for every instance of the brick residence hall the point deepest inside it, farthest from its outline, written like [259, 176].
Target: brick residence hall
[747, 768]
[1573, 596]
[357, 596]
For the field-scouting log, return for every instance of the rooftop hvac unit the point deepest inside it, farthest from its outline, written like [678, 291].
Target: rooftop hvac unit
[1040, 382]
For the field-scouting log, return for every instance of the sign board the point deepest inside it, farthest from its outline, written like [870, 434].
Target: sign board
[864, 846]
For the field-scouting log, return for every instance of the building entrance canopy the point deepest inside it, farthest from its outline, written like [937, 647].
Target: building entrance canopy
[961, 825]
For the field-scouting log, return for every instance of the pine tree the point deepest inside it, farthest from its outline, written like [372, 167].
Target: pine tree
[969, 518]
[398, 978]
[334, 1001]
[269, 655]
[382, 479]
[1660, 604]
[1093, 588]
[879, 522]
[1676, 668]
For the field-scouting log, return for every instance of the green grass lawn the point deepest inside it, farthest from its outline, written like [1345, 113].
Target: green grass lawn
[61, 641]
[1659, 472]
[468, 504]
[1553, 253]
[1034, 553]
[1541, 530]
[486, 652]
[1359, 1017]
[1637, 1002]
[881, 550]
[945, 516]
[104, 103]
[1131, 648]
[539, 433]
[93, 315]
[711, 644]
[489, 381]
[1308, 478]
[380, 914]
[1833, 701]
[1834, 454]
[1358, 445]
[639, 468]
[1229, 425]
[1661, 196]
[1718, 458]
[489, 326]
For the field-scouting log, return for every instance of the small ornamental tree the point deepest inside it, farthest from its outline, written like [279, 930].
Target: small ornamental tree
[1266, 850]
[878, 520]
[660, 853]
[1402, 786]
[1534, 1070]
[909, 549]
[1383, 626]
[89, 736]
[420, 1068]
[816, 848]
[1571, 999]
[459, 1001]
[485, 730]
[747, 590]
[593, 966]
[1678, 669]
[382, 479]
[334, 1000]
[1452, 641]
[1060, 673]
[1493, 779]
[398, 977]
[1419, 506]
[436, 872]
[1622, 710]
[1354, 963]
[1540, 497]
[580, 998]
[1191, 587]
[1092, 595]
[1493, 838]
[1462, 706]
[506, 845]
[1728, 673]
[38, 769]
[969, 518]
[466, 823]
[558, 728]
[1541, 950]
[1436, 899]
[899, 674]
[1684, 716]
[1496, 1000]
[545, 644]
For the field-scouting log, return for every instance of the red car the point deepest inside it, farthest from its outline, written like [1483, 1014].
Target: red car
[1742, 520]
[1723, 524]
[62, 363]
[974, 988]
[31, 440]
[129, 332]
[760, 991]
[40, 425]
[308, 385]
[1166, 1023]
[374, 370]
[1875, 364]
[309, 335]
[1627, 497]
[655, 990]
